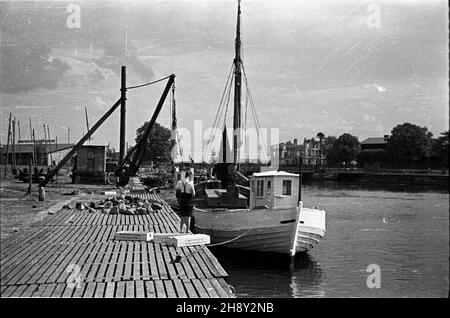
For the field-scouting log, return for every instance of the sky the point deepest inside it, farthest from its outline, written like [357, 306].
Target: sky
[358, 67]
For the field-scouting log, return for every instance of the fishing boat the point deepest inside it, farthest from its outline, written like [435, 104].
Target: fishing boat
[262, 213]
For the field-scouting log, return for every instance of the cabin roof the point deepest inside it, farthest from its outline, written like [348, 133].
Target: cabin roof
[274, 173]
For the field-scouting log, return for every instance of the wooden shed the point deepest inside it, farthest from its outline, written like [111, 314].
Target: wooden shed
[90, 166]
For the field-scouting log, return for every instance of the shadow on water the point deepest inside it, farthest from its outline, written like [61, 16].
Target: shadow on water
[249, 272]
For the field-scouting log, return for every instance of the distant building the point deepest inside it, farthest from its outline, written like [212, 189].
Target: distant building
[289, 153]
[313, 154]
[22, 153]
[375, 143]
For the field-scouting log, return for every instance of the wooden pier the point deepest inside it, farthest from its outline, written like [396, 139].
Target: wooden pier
[72, 253]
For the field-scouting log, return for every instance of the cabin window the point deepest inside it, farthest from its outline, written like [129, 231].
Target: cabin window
[287, 187]
[260, 188]
[269, 185]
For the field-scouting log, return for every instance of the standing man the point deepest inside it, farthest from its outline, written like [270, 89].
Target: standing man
[185, 193]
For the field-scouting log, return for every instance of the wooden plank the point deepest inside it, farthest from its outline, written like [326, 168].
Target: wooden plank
[68, 292]
[129, 289]
[179, 288]
[140, 289]
[104, 263]
[113, 261]
[190, 289]
[38, 291]
[19, 291]
[169, 265]
[153, 262]
[90, 290]
[100, 290]
[144, 266]
[79, 290]
[161, 266]
[218, 288]
[68, 268]
[137, 274]
[30, 290]
[49, 288]
[120, 262]
[150, 289]
[206, 272]
[190, 258]
[200, 288]
[58, 291]
[60, 265]
[120, 291]
[110, 289]
[213, 269]
[170, 290]
[215, 262]
[209, 288]
[129, 261]
[160, 291]
[225, 286]
[63, 272]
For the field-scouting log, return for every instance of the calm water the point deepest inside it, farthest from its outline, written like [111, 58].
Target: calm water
[402, 229]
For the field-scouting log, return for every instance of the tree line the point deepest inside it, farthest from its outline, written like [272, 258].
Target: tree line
[407, 143]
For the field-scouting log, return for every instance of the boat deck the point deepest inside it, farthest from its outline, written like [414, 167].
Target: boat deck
[73, 253]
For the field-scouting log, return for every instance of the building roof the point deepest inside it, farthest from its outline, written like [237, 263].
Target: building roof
[274, 173]
[374, 141]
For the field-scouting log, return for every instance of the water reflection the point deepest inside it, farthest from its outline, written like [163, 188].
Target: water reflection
[250, 273]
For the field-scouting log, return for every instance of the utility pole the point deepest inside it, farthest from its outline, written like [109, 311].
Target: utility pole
[123, 98]
[46, 144]
[14, 143]
[7, 144]
[50, 145]
[30, 176]
[18, 144]
[33, 153]
[68, 135]
[34, 147]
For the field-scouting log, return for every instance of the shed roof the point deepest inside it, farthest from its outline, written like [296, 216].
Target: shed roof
[374, 141]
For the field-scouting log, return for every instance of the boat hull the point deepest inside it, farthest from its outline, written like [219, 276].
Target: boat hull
[272, 231]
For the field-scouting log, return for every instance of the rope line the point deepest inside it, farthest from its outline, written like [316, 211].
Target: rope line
[146, 84]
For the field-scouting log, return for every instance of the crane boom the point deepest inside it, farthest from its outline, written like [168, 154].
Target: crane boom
[124, 173]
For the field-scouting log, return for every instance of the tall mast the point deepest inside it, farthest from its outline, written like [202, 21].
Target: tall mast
[237, 87]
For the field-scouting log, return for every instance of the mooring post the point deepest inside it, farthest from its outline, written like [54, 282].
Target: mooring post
[41, 194]
[123, 98]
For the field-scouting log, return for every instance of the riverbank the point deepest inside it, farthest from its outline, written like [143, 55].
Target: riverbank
[382, 177]
[18, 210]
